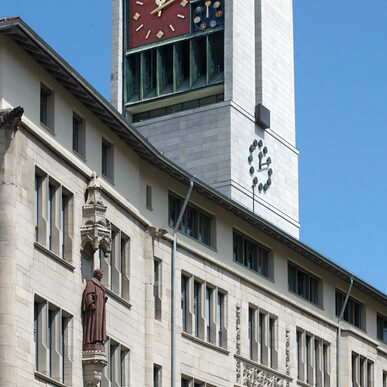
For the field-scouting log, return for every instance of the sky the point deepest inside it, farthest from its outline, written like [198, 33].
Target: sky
[340, 52]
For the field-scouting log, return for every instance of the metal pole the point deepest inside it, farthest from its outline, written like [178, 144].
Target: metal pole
[174, 282]
[339, 335]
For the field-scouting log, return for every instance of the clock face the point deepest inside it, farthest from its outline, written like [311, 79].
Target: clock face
[207, 14]
[155, 20]
[260, 166]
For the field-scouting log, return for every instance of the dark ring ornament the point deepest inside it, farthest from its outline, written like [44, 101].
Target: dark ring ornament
[260, 143]
[260, 186]
[268, 182]
[250, 158]
[270, 171]
[263, 165]
[252, 148]
[255, 143]
[265, 150]
[255, 180]
[265, 187]
[251, 170]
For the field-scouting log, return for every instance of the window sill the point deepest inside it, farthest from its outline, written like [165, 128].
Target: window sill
[205, 343]
[305, 299]
[47, 379]
[55, 257]
[300, 383]
[194, 239]
[52, 131]
[108, 179]
[255, 272]
[80, 155]
[117, 298]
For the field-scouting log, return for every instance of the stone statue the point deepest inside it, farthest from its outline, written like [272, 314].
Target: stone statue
[94, 314]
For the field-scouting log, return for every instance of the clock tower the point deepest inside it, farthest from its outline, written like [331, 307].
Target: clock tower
[211, 85]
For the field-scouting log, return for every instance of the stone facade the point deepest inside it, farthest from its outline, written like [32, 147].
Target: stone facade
[44, 269]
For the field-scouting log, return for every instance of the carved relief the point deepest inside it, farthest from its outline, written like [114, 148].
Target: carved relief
[96, 229]
[254, 377]
[11, 118]
[238, 330]
[287, 362]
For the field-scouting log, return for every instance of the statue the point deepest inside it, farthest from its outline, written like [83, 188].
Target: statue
[94, 314]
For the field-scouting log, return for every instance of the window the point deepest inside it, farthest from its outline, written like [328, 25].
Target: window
[353, 311]
[157, 289]
[148, 197]
[46, 107]
[187, 381]
[116, 373]
[156, 375]
[312, 359]
[384, 379]
[79, 135]
[116, 265]
[107, 160]
[362, 371]
[381, 328]
[53, 213]
[303, 283]
[184, 302]
[262, 337]
[212, 303]
[250, 254]
[52, 327]
[195, 223]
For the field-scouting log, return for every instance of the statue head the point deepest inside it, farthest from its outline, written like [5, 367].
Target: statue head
[98, 273]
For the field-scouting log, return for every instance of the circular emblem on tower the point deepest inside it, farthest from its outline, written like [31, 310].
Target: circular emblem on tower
[259, 166]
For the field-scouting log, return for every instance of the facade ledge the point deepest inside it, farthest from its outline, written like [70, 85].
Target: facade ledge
[55, 257]
[117, 298]
[205, 343]
[40, 376]
[300, 383]
[263, 368]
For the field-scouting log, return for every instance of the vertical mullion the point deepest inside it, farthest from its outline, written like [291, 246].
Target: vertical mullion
[142, 75]
[191, 63]
[208, 59]
[175, 67]
[158, 71]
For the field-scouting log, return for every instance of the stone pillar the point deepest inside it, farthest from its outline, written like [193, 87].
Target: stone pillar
[9, 121]
[93, 363]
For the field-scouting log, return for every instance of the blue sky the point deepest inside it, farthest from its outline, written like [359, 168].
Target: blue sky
[341, 113]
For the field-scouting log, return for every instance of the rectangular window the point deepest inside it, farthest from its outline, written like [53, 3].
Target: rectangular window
[261, 337]
[384, 379]
[208, 313]
[271, 342]
[149, 197]
[46, 107]
[51, 214]
[184, 302]
[157, 289]
[195, 222]
[78, 135]
[156, 375]
[251, 332]
[353, 311]
[124, 265]
[382, 328]
[37, 209]
[303, 283]
[362, 371]
[116, 373]
[312, 360]
[219, 318]
[250, 254]
[52, 341]
[196, 307]
[107, 160]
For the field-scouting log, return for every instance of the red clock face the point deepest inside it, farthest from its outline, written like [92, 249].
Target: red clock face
[154, 20]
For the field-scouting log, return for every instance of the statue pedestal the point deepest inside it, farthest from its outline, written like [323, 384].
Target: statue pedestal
[93, 363]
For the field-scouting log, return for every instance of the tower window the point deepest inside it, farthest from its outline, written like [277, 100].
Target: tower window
[46, 107]
[78, 135]
[107, 159]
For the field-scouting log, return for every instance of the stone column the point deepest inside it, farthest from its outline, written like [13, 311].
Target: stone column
[9, 121]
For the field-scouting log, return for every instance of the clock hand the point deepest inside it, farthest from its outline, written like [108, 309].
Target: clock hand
[159, 3]
[162, 6]
[207, 4]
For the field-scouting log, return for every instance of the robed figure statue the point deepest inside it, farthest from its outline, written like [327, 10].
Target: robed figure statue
[94, 314]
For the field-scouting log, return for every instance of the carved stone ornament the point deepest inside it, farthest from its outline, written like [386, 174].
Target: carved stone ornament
[93, 363]
[96, 229]
[11, 118]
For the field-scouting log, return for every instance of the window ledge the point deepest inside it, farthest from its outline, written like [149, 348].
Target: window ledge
[305, 299]
[265, 368]
[117, 298]
[39, 375]
[255, 272]
[55, 257]
[205, 343]
[52, 131]
[300, 383]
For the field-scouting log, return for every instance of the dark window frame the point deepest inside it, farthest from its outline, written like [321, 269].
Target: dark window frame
[353, 312]
[300, 282]
[259, 261]
[196, 223]
[381, 327]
